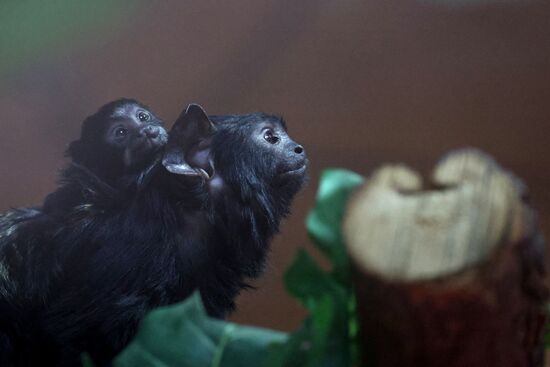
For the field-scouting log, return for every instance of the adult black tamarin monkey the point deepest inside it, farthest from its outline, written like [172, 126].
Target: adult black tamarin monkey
[203, 221]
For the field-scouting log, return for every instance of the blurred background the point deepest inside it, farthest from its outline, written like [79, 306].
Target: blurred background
[359, 82]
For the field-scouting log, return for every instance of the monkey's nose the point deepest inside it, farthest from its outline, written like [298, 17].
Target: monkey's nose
[151, 131]
[298, 149]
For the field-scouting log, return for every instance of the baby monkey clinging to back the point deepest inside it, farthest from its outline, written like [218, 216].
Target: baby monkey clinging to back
[120, 138]
[118, 146]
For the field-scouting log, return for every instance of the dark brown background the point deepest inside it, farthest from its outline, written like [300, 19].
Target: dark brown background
[359, 82]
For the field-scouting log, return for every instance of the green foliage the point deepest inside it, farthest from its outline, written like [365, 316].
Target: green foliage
[182, 335]
[323, 222]
[328, 337]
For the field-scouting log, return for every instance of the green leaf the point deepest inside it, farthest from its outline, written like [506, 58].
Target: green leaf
[324, 338]
[328, 334]
[183, 335]
[328, 337]
[325, 219]
[306, 281]
[250, 344]
[294, 353]
[319, 342]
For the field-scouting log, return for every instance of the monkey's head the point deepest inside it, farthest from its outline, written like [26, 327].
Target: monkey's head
[122, 137]
[249, 153]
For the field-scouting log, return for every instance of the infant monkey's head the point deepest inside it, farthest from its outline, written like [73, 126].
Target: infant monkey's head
[122, 137]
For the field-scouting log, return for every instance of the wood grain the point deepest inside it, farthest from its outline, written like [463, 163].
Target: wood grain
[448, 274]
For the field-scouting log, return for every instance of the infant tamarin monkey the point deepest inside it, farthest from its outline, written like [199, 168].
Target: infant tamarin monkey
[117, 148]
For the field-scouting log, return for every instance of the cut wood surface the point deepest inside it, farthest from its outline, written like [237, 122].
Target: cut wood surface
[449, 272]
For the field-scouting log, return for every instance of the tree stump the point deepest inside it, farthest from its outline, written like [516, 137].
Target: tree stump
[450, 274]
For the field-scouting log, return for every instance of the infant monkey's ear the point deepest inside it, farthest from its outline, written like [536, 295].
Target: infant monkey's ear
[188, 150]
[122, 137]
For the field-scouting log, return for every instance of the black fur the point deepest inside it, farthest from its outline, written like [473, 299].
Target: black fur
[117, 164]
[207, 226]
[30, 253]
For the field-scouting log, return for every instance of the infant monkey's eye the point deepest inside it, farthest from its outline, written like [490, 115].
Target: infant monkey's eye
[121, 132]
[270, 137]
[143, 116]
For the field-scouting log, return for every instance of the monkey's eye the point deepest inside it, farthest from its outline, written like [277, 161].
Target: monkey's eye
[270, 137]
[121, 132]
[143, 116]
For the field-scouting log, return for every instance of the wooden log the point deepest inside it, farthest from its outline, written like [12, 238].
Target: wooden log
[452, 274]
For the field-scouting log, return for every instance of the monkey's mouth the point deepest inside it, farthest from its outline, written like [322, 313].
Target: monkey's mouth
[296, 171]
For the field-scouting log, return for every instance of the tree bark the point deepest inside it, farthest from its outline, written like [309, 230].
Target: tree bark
[449, 275]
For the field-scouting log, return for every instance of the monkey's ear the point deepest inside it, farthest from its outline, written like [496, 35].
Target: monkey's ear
[188, 146]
